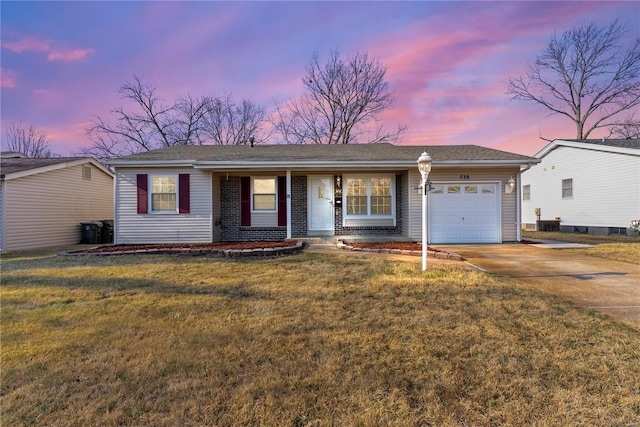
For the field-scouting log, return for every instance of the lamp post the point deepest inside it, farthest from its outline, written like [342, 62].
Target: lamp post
[424, 166]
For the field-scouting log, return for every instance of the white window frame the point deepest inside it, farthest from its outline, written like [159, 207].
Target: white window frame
[368, 178]
[568, 188]
[526, 192]
[275, 185]
[151, 193]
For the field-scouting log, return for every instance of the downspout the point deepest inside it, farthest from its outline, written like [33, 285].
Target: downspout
[518, 204]
[116, 217]
[3, 219]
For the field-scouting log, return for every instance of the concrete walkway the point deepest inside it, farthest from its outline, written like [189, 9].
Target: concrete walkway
[611, 287]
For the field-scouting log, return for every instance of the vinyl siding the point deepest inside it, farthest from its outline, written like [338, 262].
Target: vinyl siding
[134, 228]
[217, 213]
[46, 209]
[606, 188]
[508, 217]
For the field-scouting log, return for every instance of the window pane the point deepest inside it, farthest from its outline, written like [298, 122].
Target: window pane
[163, 202]
[453, 189]
[264, 185]
[264, 202]
[356, 205]
[437, 189]
[526, 192]
[380, 205]
[380, 187]
[567, 188]
[470, 189]
[163, 184]
[488, 189]
[163, 193]
[357, 187]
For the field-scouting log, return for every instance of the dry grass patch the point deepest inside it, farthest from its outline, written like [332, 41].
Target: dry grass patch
[305, 340]
[617, 248]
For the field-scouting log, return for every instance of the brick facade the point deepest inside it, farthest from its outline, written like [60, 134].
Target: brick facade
[231, 230]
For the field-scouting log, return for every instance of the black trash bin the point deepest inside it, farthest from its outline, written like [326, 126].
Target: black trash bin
[107, 231]
[91, 232]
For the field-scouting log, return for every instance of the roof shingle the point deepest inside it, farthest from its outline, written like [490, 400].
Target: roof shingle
[327, 153]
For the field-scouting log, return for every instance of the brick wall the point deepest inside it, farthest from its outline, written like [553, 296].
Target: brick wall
[298, 206]
[231, 230]
[230, 215]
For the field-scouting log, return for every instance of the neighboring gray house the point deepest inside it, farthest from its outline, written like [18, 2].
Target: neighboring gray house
[590, 185]
[43, 201]
[235, 193]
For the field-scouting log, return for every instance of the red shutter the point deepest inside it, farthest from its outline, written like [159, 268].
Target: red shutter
[143, 198]
[282, 201]
[245, 201]
[184, 196]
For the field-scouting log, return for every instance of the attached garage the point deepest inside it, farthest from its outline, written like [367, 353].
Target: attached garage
[465, 212]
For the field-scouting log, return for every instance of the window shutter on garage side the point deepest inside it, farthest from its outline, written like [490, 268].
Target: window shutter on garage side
[184, 205]
[282, 201]
[143, 198]
[245, 201]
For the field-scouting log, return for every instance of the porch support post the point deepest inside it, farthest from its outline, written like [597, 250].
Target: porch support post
[288, 203]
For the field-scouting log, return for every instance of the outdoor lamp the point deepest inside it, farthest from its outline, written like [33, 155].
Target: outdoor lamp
[424, 166]
[511, 185]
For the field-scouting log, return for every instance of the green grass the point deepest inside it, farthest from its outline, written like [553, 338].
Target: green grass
[309, 339]
[617, 248]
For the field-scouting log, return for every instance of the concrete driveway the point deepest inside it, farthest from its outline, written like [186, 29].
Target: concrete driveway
[611, 287]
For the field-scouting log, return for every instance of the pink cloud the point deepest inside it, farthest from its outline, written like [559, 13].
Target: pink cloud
[54, 50]
[69, 55]
[29, 44]
[7, 78]
[68, 139]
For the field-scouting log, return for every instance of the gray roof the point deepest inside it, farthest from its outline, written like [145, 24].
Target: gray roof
[324, 153]
[620, 143]
[13, 165]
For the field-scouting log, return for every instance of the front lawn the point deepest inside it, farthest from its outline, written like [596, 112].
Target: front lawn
[305, 340]
[617, 248]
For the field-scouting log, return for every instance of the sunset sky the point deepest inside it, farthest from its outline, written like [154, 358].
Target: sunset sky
[63, 62]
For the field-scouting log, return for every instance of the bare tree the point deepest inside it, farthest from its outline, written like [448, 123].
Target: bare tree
[152, 123]
[585, 75]
[228, 123]
[27, 140]
[625, 129]
[342, 101]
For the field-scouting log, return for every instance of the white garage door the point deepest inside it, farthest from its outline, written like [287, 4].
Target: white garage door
[464, 213]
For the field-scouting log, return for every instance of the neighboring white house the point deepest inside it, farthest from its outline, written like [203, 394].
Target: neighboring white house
[269, 192]
[590, 185]
[43, 201]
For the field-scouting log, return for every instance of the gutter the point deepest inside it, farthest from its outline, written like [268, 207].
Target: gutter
[310, 165]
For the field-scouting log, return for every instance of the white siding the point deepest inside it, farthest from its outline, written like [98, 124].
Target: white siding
[134, 228]
[264, 219]
[508, 220]
[46, 209]
[606, 188]
[217, 230]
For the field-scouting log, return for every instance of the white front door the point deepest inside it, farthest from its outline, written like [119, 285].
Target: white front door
[464, 213]
[320, 205]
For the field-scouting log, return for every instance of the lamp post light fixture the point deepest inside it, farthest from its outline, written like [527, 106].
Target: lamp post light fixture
[424, 166]
[511, 185]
